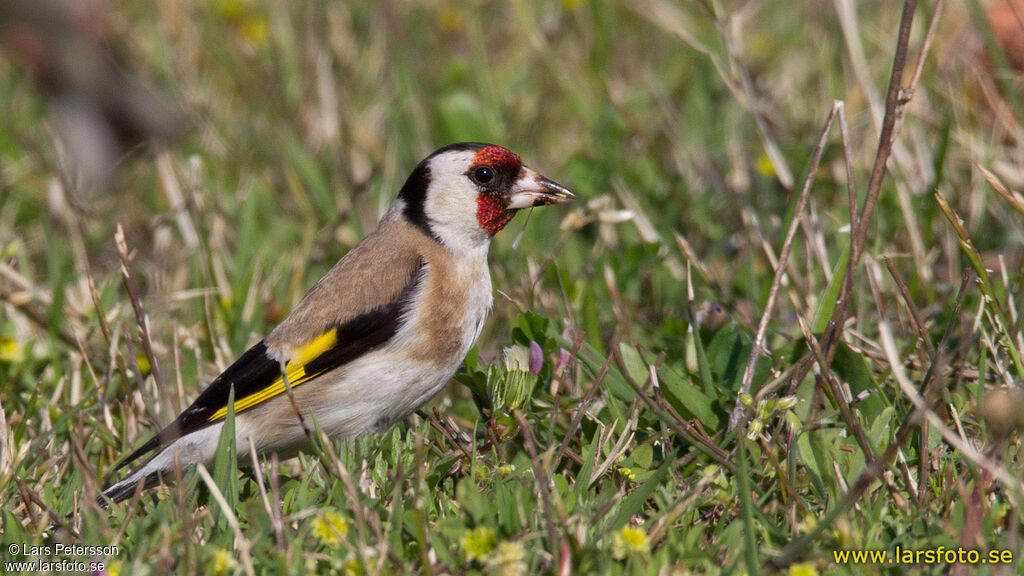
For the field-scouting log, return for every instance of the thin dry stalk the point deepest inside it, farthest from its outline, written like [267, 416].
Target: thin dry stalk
[684, 429]
[30, 495]
[896, 98]
[559, 542]
[955, 440]
[838, 393]
[1011, 197]
[758, 348]
[580, 411]
[275, 493]
[141, 318]
[258, 472]
[916, 323]
[441, 425]
[851, 182]
[291, 399]
[351, 491]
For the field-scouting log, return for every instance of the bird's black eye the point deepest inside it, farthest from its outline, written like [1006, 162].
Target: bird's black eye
[482, 174]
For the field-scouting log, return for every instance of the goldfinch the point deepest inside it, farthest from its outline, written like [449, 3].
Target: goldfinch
[379, 335]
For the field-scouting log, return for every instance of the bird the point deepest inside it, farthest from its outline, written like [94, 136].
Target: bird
[380, 334]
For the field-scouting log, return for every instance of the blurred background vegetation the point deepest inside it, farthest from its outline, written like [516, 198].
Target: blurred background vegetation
[685, 129]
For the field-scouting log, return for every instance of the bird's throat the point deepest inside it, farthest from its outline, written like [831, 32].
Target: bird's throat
[491, 214]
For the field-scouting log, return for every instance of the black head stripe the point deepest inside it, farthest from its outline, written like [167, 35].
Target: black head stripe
[414, 194]
[459, 147]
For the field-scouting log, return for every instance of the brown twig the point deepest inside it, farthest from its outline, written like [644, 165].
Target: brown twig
[895, 98]
[442, 426]
[838, 394]
[108, 334]
[758, 348]
[291, 399]
[851, 181]
[559, 543]
[275, 493]
[140, 314]
[581, 409]
[686, 430]
[28, 495]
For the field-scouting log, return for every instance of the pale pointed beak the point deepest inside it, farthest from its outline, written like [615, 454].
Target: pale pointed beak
[532, 189]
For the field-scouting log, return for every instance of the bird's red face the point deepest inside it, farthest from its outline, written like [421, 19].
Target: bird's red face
[466, 193]
[489, 161]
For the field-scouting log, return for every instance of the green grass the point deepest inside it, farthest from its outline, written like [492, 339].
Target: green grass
[304, 122]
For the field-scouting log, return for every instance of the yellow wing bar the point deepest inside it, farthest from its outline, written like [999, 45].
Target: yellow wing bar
[296, 370]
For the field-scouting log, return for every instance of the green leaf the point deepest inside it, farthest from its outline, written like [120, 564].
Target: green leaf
[470, 498]
[642, 455]
[827, 301]
[507, 505]
[880, 428]
[225, 465]
[687, 399]
[851, 368]
[613, 381]
[707, 380]
[728, 352]
[13, 531]
[750, 547]
[589, 458]
[634, 363]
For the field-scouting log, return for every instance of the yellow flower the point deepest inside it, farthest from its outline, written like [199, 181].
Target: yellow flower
[329, 527]
[765, 166]
[355, 567]
[508, 559]
[114, 569]
[477, 543]
[451, 18]
[255, 30]
[11, 350]
[143, 363]
[807, 524]
[483, 473]
[223, 562]
[231, 9]
[627, 474]
[628, 541]
[803, 570]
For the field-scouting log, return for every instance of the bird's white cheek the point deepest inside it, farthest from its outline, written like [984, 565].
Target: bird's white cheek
[451, 211]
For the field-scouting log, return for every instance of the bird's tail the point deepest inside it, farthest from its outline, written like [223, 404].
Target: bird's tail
[165, 465]
[126, 488]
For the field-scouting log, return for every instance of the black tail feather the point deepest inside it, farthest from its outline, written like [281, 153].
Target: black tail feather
[125, 489]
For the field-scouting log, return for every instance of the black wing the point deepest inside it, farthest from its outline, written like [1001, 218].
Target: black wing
[256, 371]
